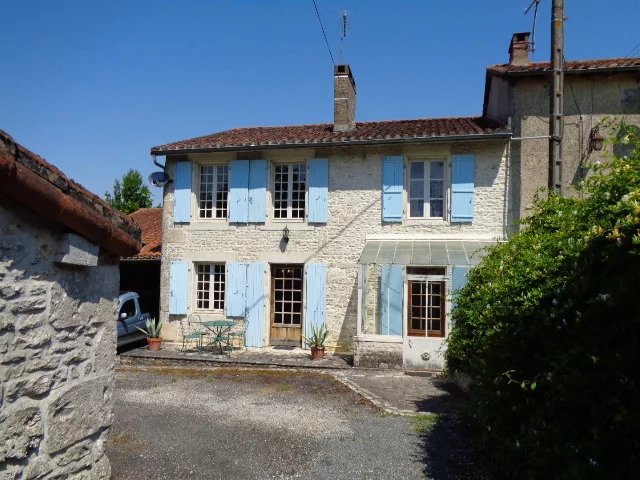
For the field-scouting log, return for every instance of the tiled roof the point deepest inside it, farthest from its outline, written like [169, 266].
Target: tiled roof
[39, 185]
[570, 66]
[322, 134]
[150, 221]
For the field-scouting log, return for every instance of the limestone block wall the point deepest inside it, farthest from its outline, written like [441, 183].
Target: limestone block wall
[355, 210]
[57, 352]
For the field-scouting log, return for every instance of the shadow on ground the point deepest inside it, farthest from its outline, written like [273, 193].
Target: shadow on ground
[447, 444]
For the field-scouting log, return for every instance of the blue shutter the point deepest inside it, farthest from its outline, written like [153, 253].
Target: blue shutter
[178, 287]
[458, 278]
[255, 305]
[318, 190]
[236, 289]
[257, 191]
[239, 191]
[316, 297]
[392, 185]
[462, 185]
[182, 193]
[391, 292]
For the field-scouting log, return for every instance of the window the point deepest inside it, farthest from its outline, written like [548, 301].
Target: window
[426, 305]
[210, 286]
[214, 190]
[129, 308]
[289, 191]
[426, 189]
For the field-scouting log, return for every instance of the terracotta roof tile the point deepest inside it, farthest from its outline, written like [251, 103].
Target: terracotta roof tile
[570, 66]
[150, 221]
[365, 132]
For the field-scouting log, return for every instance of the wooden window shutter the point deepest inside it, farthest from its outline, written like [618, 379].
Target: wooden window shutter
[316, 297]
[178, 287]
[391, 292]
[462, 188]
[182, 193]
[318, 190]
[392, 188]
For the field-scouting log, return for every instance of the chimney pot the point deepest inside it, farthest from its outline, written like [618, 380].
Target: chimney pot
[519, 49]
[344, 99]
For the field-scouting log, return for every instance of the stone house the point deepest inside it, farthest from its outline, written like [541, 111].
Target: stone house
[59, 251]
[366, 226]
[596, 92]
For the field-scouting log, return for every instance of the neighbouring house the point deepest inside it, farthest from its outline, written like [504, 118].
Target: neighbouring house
[517, 94]
[141, 272]
[59, 252]
[367, 226]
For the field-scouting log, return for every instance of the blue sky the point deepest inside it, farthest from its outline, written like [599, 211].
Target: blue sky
[92, 85]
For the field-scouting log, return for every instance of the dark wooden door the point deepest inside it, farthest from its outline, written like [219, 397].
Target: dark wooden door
[286, 304]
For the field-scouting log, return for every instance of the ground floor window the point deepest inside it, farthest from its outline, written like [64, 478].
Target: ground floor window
[426, 301]
[210, 286]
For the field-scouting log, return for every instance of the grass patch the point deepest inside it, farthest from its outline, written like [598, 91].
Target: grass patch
[424, 422]
[283, 387]
[121, 440]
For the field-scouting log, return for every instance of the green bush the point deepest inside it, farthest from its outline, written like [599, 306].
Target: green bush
[548, 330]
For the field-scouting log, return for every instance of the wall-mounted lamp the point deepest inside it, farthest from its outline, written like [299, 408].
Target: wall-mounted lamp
[596, 140]
[285, 234]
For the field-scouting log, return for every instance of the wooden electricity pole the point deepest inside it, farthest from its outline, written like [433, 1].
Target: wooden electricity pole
[557, 96]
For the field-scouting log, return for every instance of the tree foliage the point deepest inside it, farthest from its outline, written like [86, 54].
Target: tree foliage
[548, 330]
[130, 194]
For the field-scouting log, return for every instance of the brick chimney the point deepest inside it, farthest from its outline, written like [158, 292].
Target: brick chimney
[519, 49]
[344, 99]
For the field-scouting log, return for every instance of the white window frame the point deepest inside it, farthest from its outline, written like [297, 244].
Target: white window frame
[212, 283]
[198, 182]
[289, 209]
[427, 188]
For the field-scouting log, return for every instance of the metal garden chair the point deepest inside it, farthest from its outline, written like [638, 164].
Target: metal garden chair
[193, 331]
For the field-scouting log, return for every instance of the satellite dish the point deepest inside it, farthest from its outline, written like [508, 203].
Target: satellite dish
[159, 179]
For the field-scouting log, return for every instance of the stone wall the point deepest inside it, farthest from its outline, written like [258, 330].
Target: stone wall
[588, 100]
[57, 351]
[355, 210]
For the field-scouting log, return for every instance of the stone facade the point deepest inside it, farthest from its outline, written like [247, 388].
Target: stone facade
[589, 100]
[355, 211]
[57, 351]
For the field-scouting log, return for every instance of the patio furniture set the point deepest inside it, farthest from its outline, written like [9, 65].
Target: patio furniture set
[217, 334]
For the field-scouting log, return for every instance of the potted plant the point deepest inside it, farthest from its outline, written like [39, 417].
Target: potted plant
[152, 331]
[316, 341]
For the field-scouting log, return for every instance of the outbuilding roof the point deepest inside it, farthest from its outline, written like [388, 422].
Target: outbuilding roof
[150, 222]
[32, 181]
[390, 131]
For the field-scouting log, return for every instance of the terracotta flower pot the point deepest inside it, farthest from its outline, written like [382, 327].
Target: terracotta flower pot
[154, 343]
[317, 353]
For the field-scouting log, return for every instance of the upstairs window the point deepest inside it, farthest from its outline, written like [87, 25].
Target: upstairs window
[426, 189]
[214, 191]
[210, 283]
[289, 188]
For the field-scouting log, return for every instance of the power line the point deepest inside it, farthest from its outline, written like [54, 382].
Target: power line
[323, 32]
[634, 50]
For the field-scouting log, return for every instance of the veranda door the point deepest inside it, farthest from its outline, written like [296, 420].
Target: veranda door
[286, 304]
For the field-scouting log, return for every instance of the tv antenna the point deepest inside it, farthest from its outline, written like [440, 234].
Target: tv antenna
[534, 4]
[343, 33]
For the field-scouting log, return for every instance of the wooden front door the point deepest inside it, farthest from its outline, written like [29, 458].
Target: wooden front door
[425, 308]
[286, 304]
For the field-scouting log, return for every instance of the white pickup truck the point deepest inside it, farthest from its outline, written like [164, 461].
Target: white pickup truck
[130, 317]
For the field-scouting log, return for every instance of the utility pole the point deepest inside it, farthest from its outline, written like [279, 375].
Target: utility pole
[557, 96]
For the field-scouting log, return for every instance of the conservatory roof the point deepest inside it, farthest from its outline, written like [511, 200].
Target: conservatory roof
[425, 252]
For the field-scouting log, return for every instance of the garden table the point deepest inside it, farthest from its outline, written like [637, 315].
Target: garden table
[220, 330]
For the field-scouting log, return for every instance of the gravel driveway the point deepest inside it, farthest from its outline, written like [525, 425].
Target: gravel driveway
[222, 423]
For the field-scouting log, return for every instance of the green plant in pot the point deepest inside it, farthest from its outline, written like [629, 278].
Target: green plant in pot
[316, 340]
[152, 331]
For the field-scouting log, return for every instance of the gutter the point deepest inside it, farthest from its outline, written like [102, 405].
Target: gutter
[41, 196]
[398, 141]
[586, 71]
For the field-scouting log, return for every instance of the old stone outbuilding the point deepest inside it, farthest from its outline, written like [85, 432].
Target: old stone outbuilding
[59, 252]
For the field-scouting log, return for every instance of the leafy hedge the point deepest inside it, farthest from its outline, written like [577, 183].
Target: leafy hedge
[548, 329]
